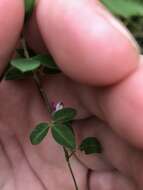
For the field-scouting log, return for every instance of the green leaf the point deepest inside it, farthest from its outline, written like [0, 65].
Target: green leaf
[124, 8]
[29, 5]
[25, 65]
[14, 74]
[64, 115]
[48, 62]
[69, 125]
[39, 133]
[90, 145]
[63, 136]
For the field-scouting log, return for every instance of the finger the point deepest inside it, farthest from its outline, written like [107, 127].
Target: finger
[109, 180]
[122, 107]
[11, 20]
[87, 43]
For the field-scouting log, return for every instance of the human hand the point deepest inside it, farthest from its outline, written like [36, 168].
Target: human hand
[77, 33]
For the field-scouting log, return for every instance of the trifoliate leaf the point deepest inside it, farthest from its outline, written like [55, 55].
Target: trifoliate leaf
[25, 65]
[29, 5]
[14, 74]
[90, 145]
[124, 8]
[63, 136]
[39, 133]
[64, 115]
[69, 125]
[48, 62]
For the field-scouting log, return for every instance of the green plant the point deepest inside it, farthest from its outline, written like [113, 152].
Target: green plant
[60, 124]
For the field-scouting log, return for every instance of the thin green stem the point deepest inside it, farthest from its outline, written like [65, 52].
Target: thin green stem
[45, 99]
[23, 43]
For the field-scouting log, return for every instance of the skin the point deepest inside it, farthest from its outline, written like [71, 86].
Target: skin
[102, 79]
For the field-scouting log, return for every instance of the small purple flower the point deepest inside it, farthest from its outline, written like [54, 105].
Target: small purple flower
[57, 106]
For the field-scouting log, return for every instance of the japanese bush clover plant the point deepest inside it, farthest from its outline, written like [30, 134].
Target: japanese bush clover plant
[28, 63]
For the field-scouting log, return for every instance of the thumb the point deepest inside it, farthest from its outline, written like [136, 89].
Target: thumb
[11, 21]
[88, 44]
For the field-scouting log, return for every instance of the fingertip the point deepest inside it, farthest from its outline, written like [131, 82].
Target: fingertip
[11, 21]
[87, 43]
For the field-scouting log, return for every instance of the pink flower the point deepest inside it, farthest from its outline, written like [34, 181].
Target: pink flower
[57, 106]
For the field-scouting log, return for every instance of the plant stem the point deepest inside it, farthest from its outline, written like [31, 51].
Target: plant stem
[67, 156]
[45, 99]
[72, 153]
[37, 80]
[42, 92]
[23, 43]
